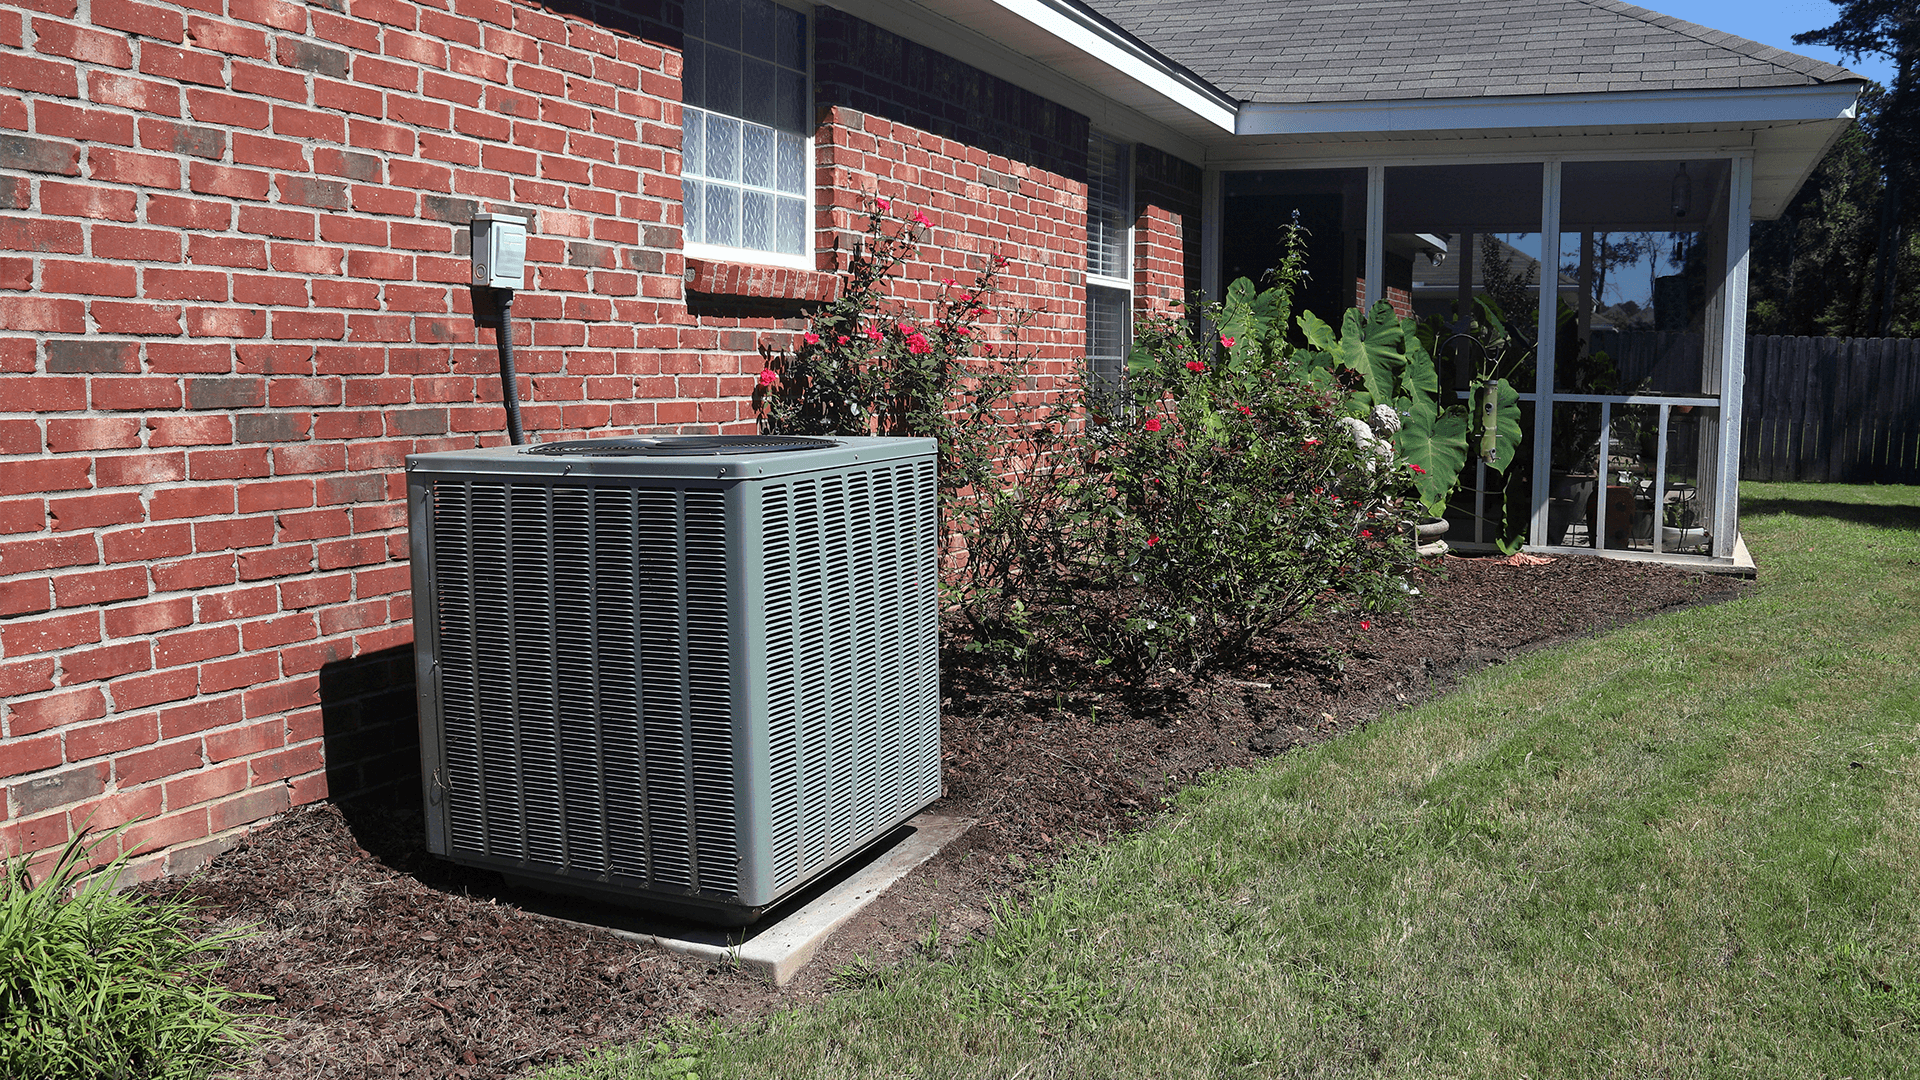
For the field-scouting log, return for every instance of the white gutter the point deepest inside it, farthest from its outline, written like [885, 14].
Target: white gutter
[1630, 108]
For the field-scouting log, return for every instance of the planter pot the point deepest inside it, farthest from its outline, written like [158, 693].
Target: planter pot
[1427, 537]
[1571, 495]
[1673, 539]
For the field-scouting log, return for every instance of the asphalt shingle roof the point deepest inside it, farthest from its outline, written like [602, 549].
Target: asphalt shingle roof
[1295, 51]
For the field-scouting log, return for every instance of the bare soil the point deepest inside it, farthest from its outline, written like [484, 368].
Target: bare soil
[378, 960]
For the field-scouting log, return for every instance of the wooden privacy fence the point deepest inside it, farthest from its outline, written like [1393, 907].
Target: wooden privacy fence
[1842, 410]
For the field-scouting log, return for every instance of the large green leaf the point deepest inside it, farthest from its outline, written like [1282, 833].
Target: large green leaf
[1141, 361]
[1372, 345]
[1438, 444]
[1419, 378]
[1319, 334]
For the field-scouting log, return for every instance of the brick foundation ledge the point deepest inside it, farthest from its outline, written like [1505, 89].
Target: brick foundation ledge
[760, 282]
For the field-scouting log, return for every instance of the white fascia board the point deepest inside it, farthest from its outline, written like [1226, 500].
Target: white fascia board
[1613, 109]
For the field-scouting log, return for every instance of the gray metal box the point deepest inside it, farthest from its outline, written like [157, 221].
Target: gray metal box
[681, 673]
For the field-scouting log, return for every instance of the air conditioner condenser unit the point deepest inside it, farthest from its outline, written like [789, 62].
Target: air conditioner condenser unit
[690, 673]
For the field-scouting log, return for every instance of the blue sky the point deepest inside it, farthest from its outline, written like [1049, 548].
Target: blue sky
[1772, 22]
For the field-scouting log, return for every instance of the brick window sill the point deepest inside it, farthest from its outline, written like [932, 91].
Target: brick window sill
[709, 278]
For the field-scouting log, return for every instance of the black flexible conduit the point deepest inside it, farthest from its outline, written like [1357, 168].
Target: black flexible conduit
[509, 385]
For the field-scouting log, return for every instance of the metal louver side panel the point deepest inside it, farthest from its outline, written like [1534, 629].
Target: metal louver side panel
[496, 787]
[534, 680]
[616, 585]
[849, 567]
[577, 680]
[709, 700]
[663, 689]
[452, 546]
[920, 597]
[777, 556]
[583, 648]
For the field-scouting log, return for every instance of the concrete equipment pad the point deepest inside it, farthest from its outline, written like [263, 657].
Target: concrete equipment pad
[782, 942]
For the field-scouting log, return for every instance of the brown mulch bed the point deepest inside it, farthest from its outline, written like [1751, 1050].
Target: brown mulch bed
[381, 961]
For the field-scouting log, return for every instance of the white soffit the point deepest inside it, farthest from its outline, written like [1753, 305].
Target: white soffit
[1049, 46]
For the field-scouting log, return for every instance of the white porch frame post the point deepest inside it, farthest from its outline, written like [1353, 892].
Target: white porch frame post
[1733, 371]
[1547, 337]
[1210, 225]
[1376, 234]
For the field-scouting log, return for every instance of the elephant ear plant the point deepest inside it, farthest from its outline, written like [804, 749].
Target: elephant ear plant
[1385, 360]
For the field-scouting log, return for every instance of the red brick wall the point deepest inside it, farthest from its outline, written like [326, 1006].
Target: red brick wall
[1166, 267]
[232, 299]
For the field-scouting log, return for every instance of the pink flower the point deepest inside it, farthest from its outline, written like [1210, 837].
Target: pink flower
[768, 378]
[1245, 410]
[874, 333]
[811, 338]
[917, 345]
[961, 330]
[1195, 365]
[1365, 624]
[841, 340]
[1226, 341]
[1309, 444]
[1152, 424]
[883, 204]
[1152, 540]
[947, 281]
[920, 218]
[1366, 534]
[1416, 468]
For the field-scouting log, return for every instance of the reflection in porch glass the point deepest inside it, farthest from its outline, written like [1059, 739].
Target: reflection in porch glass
[1647, 486]
[1462, 254]
[1644, 245]
[1332, 204]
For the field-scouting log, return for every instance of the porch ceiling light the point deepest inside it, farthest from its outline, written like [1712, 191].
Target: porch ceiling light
[1682, 192]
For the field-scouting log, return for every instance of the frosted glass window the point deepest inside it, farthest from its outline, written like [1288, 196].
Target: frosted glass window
[747, 127]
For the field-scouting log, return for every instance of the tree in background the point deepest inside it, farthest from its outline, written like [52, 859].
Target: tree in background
[1835, 261]
[1813, 267]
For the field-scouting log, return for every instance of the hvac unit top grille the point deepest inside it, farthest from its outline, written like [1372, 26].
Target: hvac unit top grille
[696, 685]
[681, 446]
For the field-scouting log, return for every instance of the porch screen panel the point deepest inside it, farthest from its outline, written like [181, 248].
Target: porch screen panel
[1256, 206]
[1642, 346]
[1462, 252]
[1645, 244]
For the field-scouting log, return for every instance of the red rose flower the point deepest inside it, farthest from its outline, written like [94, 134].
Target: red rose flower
[1152, 424]
[768, 378]
[1195, 365]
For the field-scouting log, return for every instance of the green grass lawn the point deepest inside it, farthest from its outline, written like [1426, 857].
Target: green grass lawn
[1690, 847]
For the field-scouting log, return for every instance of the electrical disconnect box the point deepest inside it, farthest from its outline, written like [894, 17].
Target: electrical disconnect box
[499, 251]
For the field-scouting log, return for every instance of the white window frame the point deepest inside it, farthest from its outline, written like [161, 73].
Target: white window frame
[806, 259]
[1123, 285]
